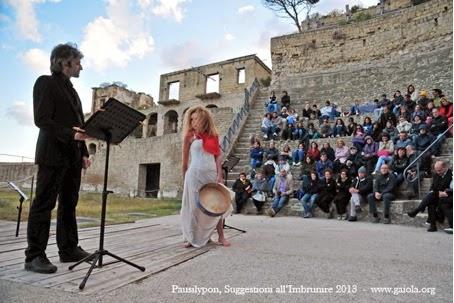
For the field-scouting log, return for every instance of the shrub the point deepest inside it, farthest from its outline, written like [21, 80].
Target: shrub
[265, 82]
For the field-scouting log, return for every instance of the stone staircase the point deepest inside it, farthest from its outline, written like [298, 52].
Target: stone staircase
[293, 207]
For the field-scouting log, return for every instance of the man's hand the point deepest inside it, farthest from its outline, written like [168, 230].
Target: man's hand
[442, 194]
[377, 195]
[85, 162]
[80, 134]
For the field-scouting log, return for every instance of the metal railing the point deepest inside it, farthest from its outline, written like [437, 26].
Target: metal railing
[243, 112]
[416, 161]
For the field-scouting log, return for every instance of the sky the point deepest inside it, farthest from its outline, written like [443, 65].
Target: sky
[133, 42]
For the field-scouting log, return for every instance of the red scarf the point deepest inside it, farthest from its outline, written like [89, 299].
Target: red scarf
[210, 144]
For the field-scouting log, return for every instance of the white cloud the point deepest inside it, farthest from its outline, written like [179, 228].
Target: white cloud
[169, 8]
[21, 112]
[37, 60]
[84, 91]
[116, 39]
[26, 20]
[229, 37]
[185, 55]
[246, 9]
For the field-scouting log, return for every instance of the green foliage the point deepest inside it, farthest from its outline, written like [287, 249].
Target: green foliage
[355, 8]
[361, 16]
[265, 82]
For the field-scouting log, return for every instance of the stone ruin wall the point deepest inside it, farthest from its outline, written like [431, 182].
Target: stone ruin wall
[125, 173]
[364, 60]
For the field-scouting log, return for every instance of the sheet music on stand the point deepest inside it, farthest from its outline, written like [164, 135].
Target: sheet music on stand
[118, 119]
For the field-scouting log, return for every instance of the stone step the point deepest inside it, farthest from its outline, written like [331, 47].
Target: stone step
[399, 209]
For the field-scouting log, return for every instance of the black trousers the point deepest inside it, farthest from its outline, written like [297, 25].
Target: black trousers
[52, 182]
[438, 207]
[241, 200]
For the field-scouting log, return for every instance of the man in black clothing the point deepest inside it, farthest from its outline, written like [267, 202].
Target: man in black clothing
[439, 198]
[438, 125]
[361, 186]
[61, 154]
[383, 191]
[285, 100]
[242, 188]
[386, 116]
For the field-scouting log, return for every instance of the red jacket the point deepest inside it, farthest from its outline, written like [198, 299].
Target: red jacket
[446, 110]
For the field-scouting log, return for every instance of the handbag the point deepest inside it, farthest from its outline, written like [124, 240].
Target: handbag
[259, 196]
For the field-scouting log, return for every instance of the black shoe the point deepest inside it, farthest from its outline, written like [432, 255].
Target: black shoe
[432, 228]
[352, 219]
[41, 265]
[76, 255]
[358, 209]
[412, 213]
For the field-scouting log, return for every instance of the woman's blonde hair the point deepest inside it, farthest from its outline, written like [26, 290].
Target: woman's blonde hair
[206, 118]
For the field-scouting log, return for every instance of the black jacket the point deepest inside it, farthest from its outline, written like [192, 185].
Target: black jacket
[442, 183]
[385, 184]
[364, 186]
[57, 109]
[438, 125]
[398, 165]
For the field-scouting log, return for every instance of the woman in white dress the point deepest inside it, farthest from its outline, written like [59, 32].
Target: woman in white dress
[201, 145]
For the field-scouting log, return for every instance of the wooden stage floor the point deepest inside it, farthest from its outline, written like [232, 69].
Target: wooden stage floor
[154, 246]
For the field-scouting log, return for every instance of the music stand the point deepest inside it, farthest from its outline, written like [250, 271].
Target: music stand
[22, 197]
[227, 166]
[111, 125]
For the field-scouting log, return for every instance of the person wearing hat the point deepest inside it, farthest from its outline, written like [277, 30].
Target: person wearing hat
[283, 188]
[385, 151]
[361, 186]
[369, 153]
[423, 99]
[354, 160]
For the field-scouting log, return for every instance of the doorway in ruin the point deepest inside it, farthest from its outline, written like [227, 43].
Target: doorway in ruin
[170, 122]
[149, 180]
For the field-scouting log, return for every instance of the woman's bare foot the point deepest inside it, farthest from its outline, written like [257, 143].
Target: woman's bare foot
[224, 242]
[187, 245]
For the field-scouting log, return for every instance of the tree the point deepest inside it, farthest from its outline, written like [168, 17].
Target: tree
[290, 9]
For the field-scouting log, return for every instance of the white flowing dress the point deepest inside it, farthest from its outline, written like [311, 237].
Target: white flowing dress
[197, 227]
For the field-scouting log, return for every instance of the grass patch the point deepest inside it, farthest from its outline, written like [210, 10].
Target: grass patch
[119, 209]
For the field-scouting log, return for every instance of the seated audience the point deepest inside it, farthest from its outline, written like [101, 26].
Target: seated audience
[358, 137]
[382, 191]
[361, 186]
[403, 125]
[312, 133]
[325, 129]
[385, 151]
[369, 154]
[267, 127]
[313, 152]
[351, 126]
[283, 188]
[439, 199]
[403, 140]
[354, 161]
[271, 151]
[260, 190]
[343, 195]
[327, 193]
[256, 154]
[340, 155]
[285, 99]
[323, 164]
[339, 129]
[398, 164]
[310, 188]
[298, 154]
[242, 188]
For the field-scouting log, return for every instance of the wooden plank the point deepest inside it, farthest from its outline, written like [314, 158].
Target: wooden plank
[155, 246]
